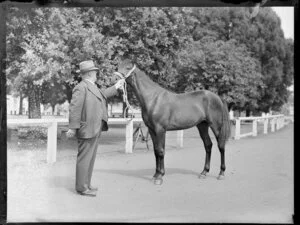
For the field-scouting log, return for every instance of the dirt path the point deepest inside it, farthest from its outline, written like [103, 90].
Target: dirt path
[258, 186]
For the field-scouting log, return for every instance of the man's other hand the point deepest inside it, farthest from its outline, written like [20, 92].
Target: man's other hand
[71, 133]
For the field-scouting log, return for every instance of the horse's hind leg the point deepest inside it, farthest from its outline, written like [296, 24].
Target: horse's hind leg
[221, 146]
[203, 130]
[158, 139]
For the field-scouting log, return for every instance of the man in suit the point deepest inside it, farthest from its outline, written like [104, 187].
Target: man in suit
[87, 118]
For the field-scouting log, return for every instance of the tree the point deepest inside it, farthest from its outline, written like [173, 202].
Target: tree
[265, 39]
[149, 36]
[25, 60]
[53, 92]
[222, 67]
[14, 51]
[246, 61]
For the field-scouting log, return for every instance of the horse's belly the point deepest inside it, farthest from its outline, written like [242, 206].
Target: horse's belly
[183, 118]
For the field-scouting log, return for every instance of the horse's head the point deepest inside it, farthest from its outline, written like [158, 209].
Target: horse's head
[125, 70]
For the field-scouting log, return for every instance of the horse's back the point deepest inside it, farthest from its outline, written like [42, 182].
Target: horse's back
[181, 111]
[211, 103]
[202, 96]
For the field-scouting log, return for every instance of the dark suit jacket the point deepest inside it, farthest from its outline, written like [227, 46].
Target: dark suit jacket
[88, 109]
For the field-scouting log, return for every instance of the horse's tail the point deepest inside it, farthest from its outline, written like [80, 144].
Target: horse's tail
[226, 126]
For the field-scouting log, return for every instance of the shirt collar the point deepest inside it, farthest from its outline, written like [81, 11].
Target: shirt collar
[90, 81]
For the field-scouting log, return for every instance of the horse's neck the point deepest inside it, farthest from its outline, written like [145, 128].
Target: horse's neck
[145, 83]
[145, 88]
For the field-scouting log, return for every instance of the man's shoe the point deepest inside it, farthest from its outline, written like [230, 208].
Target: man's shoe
[88, 192]
[93, 188]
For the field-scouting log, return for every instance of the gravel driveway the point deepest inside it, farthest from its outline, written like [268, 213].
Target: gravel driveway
[258, 187]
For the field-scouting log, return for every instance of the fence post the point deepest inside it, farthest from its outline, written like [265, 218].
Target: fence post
[277, 123]
[129, 136]
[265, 126]
[282, 122]
[254, 127]
[272, 124]
[237, 129]
[52, 142]
[179, 138]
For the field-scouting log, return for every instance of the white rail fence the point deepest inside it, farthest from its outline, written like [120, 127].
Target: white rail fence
[52, 125]
[276, 121]
[51, 134]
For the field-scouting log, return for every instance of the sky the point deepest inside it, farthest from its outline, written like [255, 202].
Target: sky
[286, 14]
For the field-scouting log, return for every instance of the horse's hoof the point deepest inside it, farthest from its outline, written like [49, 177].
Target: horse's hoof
[221, 177]
[158, 181]
[202, 176]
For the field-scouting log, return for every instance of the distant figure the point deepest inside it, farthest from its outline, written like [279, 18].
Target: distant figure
[87, 118]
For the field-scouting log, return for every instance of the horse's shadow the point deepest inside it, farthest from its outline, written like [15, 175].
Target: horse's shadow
[146, 174]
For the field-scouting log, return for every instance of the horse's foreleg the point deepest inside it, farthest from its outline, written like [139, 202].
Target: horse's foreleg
[203, 130]
[158, 139]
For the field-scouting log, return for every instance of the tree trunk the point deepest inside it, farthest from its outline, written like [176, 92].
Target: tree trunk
[34, 106]
[21, 104]
[248, 112]
[53, 109]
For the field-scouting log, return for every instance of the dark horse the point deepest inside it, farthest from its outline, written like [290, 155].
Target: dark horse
[163, 110]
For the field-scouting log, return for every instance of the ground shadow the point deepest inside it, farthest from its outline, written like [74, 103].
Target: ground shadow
[147, 174]
[62, 182]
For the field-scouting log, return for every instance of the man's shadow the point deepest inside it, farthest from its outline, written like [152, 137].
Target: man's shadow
[62, 182]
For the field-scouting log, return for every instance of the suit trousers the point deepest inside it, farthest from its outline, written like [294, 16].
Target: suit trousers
[87, 150]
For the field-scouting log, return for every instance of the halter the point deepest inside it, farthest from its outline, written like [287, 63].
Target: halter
[124, 89]
[127, 75]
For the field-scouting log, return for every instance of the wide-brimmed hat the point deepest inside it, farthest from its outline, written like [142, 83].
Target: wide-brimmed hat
[87, 66]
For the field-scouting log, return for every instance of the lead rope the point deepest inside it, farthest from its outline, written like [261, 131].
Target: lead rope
[125, 99]
[124, 89]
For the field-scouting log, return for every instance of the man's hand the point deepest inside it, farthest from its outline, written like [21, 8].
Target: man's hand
[120, 84]
[71, 133]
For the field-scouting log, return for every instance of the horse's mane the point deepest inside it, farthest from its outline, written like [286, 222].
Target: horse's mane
[148, 78]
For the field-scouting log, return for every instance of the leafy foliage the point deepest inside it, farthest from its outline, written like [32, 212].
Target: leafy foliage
[32, 133]
[247, 62]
